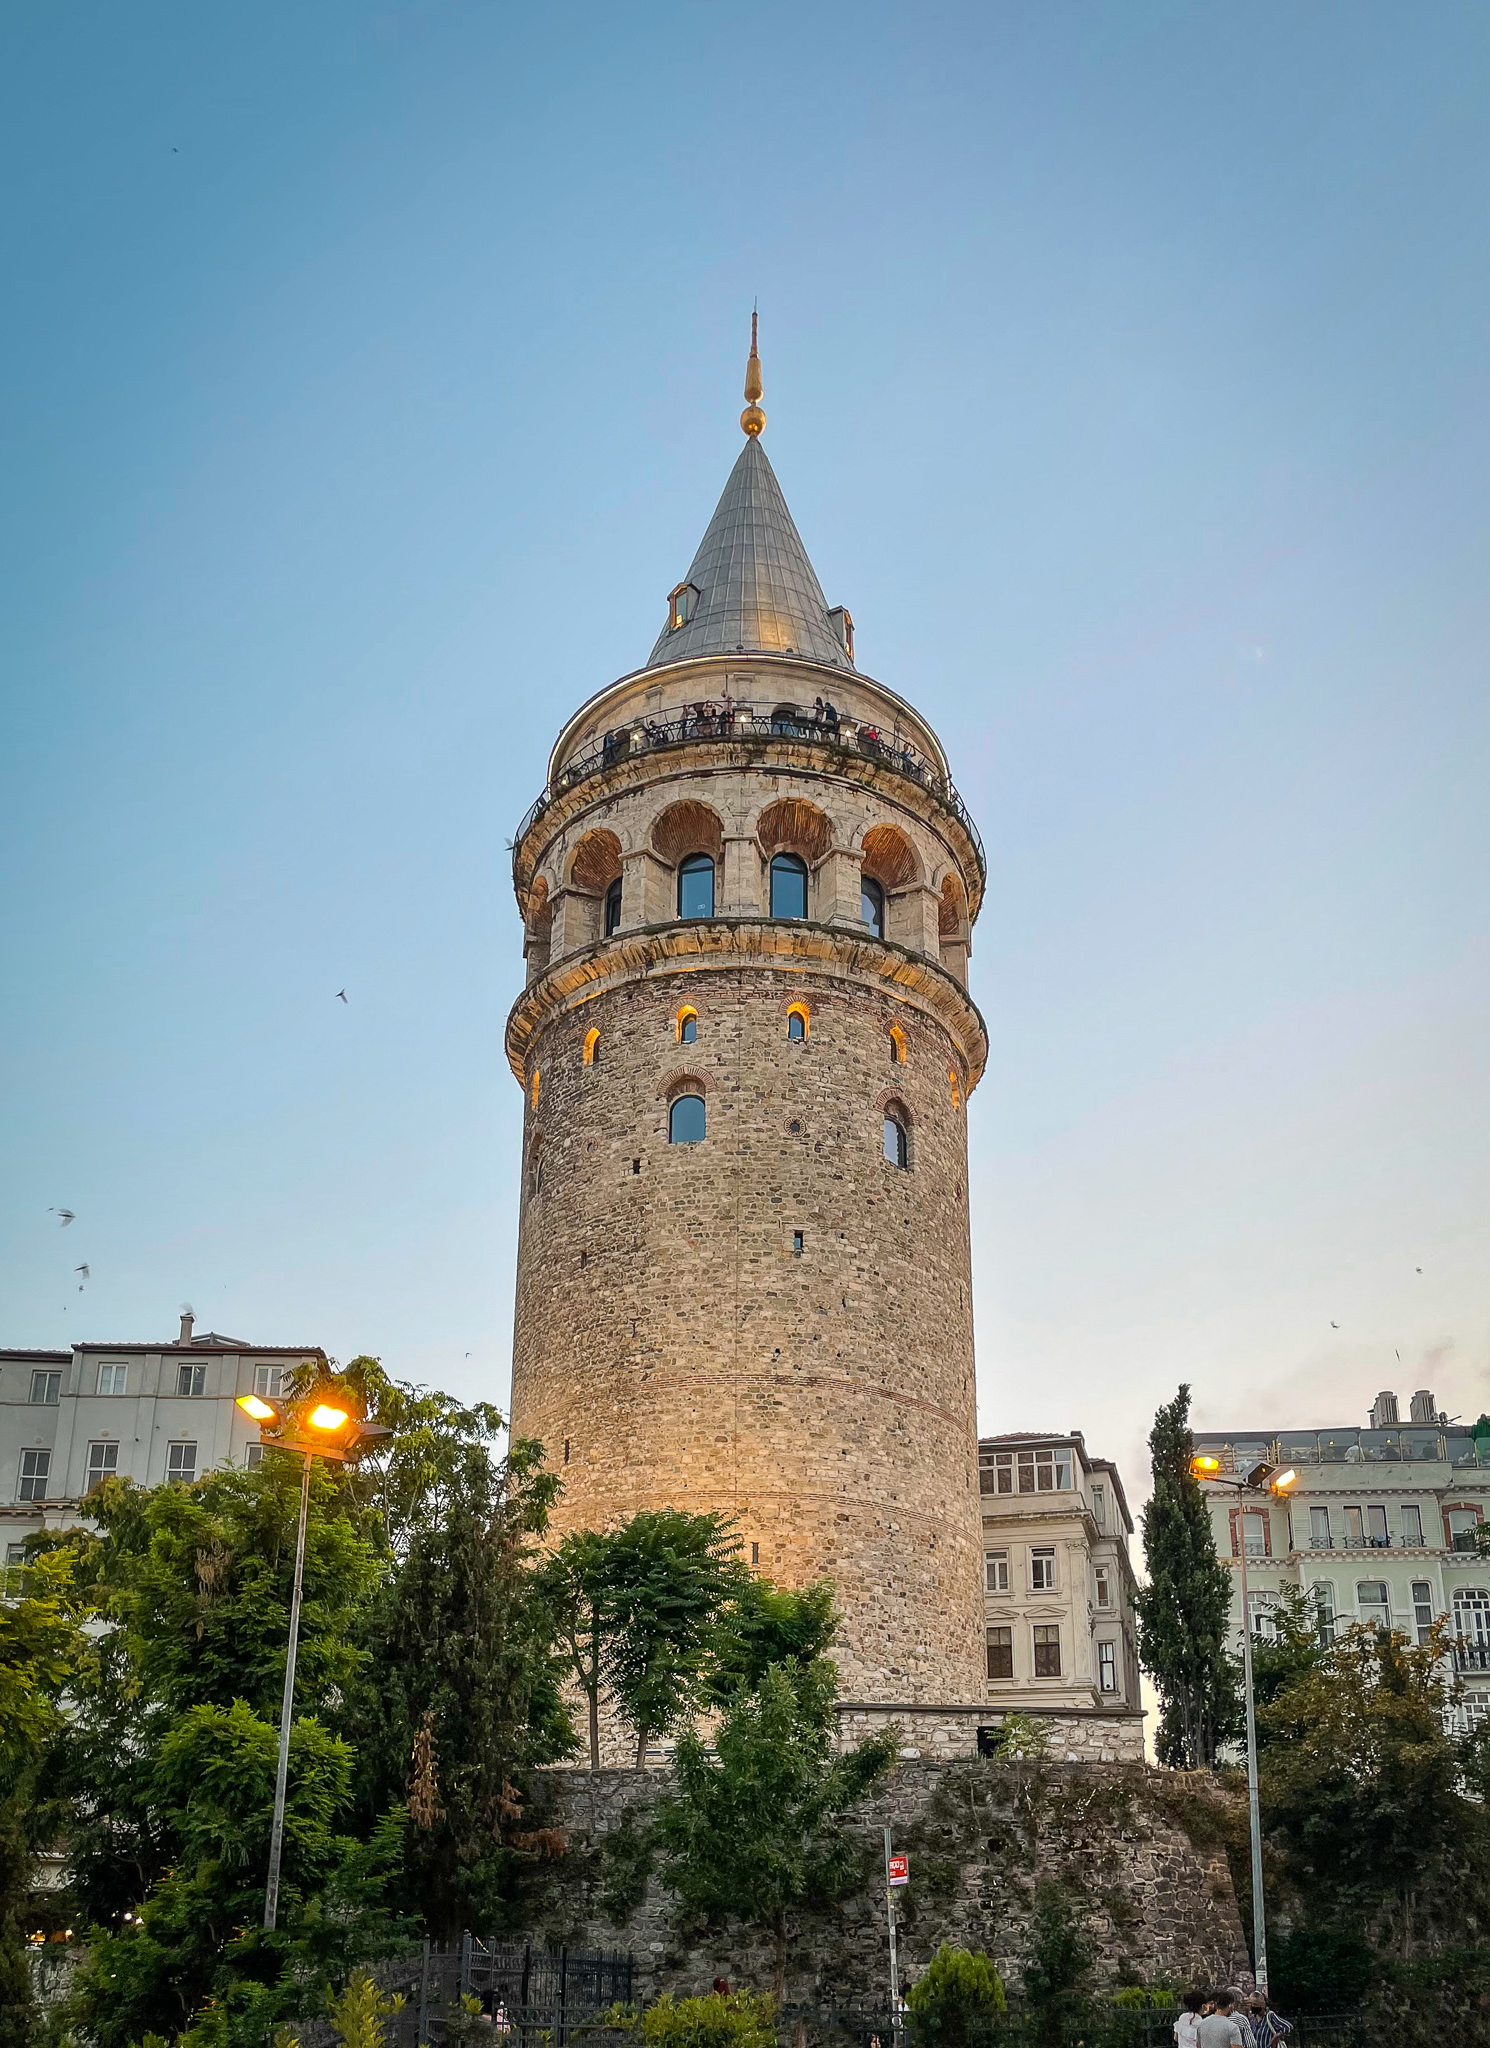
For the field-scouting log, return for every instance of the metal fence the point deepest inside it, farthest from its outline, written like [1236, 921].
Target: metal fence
[529, 1997]
[1110, 2027]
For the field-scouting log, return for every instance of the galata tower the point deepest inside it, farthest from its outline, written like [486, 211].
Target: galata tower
[746, 1047]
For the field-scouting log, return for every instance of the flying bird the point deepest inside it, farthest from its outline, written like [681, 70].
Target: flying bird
[63, 1216]
[341, 995]
[1334, 1326]
[1417, 1269]
[83, 1270]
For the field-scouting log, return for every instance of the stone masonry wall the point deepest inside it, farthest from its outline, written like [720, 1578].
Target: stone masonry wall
[980, 1835]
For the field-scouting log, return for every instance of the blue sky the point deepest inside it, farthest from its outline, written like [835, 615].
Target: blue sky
[369, 377]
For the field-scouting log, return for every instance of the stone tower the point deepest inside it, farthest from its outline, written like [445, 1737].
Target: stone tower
[746, 1047]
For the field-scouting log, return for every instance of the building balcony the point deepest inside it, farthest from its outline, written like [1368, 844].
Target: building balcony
[1473, 1656]
[711, 724]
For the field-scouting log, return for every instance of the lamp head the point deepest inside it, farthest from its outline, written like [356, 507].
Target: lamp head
[260, 1409]
[1204, 1466]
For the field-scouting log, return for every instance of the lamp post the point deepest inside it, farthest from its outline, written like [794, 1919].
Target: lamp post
[317, 1426]
[1264, 1480]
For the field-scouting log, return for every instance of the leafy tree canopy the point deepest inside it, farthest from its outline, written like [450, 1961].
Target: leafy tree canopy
[762, 1625]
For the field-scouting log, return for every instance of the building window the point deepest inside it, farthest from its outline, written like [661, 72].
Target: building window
[1104, 1585]
[1376, 1529]
[1047, 1650]
[535, 1170]
[1253, 1527]
[755, 1553]
[1042, 1571]
[1107, 1667]
[1001, 1653]
[796, 1021]
[1472, 1615]
[1373, 1604]
[36, 1466]
[788, 886]
[537, 1088]
[1001, 1479]
[681, 605]
[1045, 1471]
[798, 1242]
[253, 1456]
[103, 1463]
[1462, 1523]
[897, 1046]
[1319, 1529]
[696, 886]
[1412, 1526]
[996, 1571]
[590, 1057]
[897, 1143]
[113, 1379]
[687, 1022]
[1422, 1609]
[1099, 1506]
[872, 906]
[191, 1379]
[271, 1381]
[46, 1389]
[1262, 1610]
[613, 908]
[1355, 1530]
[181, 1463]
[1324, 1612]
[685, 1120]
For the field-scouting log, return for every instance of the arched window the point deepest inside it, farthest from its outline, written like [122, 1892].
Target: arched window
[872, 905]
[956, 1091]
[788, 886]
[592, 1049]
[535, 1170]
[687, 1026]
[696, 886]
[796, 1021]
[537, 1083]
[897, 1046]
[685, 1120]
[897, 1140]
[613, 907]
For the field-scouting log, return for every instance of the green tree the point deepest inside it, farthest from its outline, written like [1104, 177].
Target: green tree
[1184, 1609]
[761, 1625]
[958, 1992]
[573, 1584]
[41, 1647]
[463, 1671]
[421, 1475]
[753, 1828]
[1289, 1650]
[1057, 1966]
[667, 1576]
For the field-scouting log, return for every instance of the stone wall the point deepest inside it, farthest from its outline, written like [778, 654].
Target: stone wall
[1073, 1735]
[980, 1835]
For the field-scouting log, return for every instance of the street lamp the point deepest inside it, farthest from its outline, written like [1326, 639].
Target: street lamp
[318, 1426]
[1261, 1479]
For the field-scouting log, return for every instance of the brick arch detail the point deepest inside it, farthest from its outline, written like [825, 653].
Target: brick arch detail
[681, 1081]
[596, 861]
[889, 857]
[686, 827]
[793, 825]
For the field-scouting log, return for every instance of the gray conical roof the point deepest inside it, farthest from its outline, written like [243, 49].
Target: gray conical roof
[758, 592]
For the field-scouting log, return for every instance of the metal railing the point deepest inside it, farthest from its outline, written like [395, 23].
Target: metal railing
[530, 1997]
[711, 722]
[1352, 1447]
[1472, 1655]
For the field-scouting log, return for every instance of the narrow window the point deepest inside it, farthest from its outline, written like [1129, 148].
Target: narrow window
[253, 1456]
[1422, 1609]
[1004, 1472]
[1042, 1570]
[181, 1463]
[1047, 1650]
[788, 886]
[681, 604]
[191, 1380]
[897, 1046]
[535, 1172]
[696, 886]
[537, 1085]
[566, 1450]
[636, 1166]
[1107, 1667]
[271, 1381]
[872, 906]
[797, 1240]
[897, 1145]
[1099, 1506]
[687, 1026]
[1319, 1529]
[996, 1571]
[613, 907]
[46, 1389]
[1412, 1526]
[113, 1379]
[1355, 1534]
[35, 1469]
[1373, 1603]
[796, 1021]
[956, 1092]
[1104, 1586]
[592, 1049]
[103, 1463]
[685, 1120]
[1376, 1528]
[755, 1553]
[1324, 1612]
[1255, 1532]
[1001, 1653]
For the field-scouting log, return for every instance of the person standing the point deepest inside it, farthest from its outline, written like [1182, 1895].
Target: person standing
[1268, 2027]
[1188, 2019]
[1219, 2028]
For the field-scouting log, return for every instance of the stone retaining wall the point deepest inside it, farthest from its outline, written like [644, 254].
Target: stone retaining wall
[943, 1733]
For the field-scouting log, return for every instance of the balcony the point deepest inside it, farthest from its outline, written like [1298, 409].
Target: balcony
[1472, 1656]
[708, 724]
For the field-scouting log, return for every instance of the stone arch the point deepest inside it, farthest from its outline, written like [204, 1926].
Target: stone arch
[895, 1109]
[681, 1081]
[897, 1046]
[687, 827]
[596, 861]
[538, 928]
[890, 858]
[591, 1054]
[951, 923]
[792, 825]
[798, 1009]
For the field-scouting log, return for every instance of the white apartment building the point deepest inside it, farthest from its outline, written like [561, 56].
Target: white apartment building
[1058, 1583]
[148, 1412]
[1378, 1528]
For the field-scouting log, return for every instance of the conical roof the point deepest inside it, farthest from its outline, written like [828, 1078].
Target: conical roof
[757, 591]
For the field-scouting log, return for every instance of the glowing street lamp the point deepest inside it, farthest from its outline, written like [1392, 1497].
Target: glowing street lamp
[1263, 1479]
[329, 1431]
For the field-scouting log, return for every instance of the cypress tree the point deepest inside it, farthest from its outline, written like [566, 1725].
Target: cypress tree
[1184, 1610]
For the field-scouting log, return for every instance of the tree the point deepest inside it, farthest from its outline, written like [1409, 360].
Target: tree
[1290, 1649]
[752, 1829]
[1056, 1968]
[1183, 1611]
[41, 1646]
[957, 1992]
[666, 1577]
[763, 1625]
[573, 1583]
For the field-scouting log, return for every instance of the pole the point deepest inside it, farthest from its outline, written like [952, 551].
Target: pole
[894, 1959]
[1259, 1918]
[277, 1832]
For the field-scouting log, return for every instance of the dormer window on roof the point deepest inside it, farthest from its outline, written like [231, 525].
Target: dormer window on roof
[843, 625]
[682, 603]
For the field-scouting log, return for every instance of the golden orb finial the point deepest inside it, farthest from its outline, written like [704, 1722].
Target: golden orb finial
[752, 419]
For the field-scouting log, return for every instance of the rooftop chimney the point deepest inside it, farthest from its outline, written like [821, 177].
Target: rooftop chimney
[187, 1320]
[1424, 1407]
[1384, 1412]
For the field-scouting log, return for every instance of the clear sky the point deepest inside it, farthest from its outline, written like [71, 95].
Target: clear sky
[370, 373]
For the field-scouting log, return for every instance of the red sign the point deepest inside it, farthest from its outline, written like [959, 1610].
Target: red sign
[900, 1870]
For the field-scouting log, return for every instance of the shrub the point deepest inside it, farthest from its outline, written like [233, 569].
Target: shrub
[725, 2019]
[358, 2012]
[959, 1989]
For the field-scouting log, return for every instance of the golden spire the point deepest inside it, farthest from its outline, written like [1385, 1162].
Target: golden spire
[752, 419]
